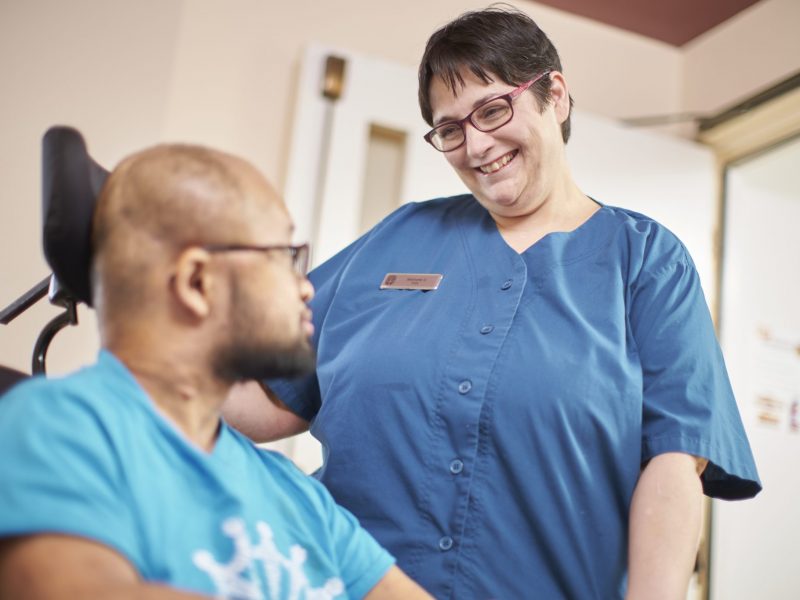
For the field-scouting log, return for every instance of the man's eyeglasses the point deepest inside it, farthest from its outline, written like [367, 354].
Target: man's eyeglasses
[297, 254]
[490, 115]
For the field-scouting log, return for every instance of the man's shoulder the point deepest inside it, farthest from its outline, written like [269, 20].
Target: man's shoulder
[40, 388]
[275, 463]
[282, 473]
[52, 401]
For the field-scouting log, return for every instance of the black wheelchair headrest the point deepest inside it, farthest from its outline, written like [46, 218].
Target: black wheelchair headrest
[71, 182]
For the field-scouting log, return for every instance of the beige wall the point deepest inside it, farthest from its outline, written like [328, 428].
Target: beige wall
[755, 49]
[129, 74]
[102, 66]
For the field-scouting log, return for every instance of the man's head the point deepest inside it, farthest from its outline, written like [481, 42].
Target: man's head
[497, 42]
[170, 273]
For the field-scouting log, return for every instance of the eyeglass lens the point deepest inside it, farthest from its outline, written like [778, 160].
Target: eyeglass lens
[487, 117]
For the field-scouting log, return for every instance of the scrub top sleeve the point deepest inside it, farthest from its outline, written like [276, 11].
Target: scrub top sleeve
[302, 394]
[60, 471]
[688, 403]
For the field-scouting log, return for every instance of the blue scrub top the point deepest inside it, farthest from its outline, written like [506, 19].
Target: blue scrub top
[490, 433]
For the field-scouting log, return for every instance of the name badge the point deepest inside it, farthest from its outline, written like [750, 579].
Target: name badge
[411, 281]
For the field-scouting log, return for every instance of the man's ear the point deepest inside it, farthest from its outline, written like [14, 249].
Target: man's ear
[192, 281]
[559, 95]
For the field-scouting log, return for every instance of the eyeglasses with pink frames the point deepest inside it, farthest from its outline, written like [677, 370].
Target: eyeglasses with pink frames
[491, 115]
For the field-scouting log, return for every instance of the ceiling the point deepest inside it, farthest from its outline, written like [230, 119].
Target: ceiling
[675, 22]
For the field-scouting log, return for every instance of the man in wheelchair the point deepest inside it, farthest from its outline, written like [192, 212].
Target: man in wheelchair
[121, 480]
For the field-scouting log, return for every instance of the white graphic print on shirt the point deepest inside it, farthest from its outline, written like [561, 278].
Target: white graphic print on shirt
[237, 578]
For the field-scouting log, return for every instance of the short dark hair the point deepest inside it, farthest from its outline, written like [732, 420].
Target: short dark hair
[499, 40]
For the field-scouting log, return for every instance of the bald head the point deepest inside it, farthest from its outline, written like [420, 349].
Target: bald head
[177, 194]
[158, 202]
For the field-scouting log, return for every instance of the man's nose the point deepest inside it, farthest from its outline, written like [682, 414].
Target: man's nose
[306, 289]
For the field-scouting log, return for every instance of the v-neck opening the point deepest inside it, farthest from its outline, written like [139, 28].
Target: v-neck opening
[137, 393]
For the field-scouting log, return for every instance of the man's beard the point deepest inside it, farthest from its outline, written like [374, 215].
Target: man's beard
[240, 362]
[246, 357]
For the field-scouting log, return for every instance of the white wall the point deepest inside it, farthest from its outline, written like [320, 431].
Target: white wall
[755, 551]
[87, 63]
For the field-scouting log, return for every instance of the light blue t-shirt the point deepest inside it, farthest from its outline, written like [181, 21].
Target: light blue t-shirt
[509, 412]
[88, 455]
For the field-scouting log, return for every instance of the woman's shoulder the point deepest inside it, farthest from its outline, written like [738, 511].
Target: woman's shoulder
[642, 228]
[419, 221]
[637, 223]
[648, 243]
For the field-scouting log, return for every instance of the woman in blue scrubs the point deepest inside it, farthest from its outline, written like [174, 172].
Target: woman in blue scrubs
[519, 391]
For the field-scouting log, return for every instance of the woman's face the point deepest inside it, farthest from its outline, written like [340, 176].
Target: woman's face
[516, 169]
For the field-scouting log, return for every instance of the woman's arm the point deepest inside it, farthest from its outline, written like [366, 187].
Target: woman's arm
[665, 521]
[259, 414]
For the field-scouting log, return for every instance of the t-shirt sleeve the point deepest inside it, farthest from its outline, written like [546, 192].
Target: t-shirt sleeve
[362, 562]
[688, 404]
[59, 471]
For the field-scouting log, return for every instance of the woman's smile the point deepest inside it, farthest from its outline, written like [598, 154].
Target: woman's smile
[496, 165]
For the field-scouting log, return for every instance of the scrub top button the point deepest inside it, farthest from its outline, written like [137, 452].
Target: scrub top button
[465, 386]
[445, 543]
[506, 284]
[487, 329]
[456, 466]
